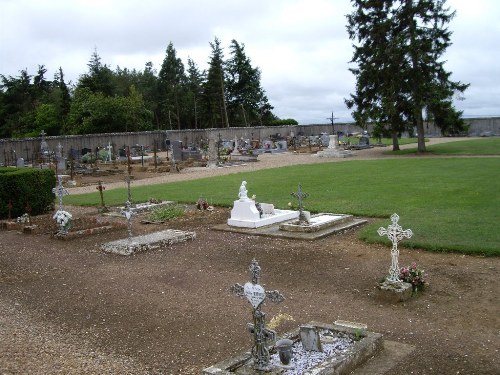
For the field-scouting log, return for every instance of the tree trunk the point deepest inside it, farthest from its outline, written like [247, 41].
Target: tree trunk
[420, 131]
[395, 141]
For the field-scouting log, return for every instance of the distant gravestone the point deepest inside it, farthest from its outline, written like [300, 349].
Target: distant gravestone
[20, 163]
[176, 150]
[364, 141]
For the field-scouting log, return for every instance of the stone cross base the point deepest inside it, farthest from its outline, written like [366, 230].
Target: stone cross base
[391, 292]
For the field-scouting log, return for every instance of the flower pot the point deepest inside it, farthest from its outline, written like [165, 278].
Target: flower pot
[284, 347]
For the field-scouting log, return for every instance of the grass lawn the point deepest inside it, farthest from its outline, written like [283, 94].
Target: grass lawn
[483, 146]
[451, 204]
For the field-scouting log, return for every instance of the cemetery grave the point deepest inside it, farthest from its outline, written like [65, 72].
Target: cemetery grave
[315, 348]
[257, 218]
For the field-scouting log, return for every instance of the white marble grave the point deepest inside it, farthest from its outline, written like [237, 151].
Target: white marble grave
[246, 215]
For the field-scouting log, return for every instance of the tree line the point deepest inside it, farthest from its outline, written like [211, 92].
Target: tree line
[400, 81]
[103, 100]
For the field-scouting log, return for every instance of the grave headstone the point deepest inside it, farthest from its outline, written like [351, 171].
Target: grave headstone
[176, 150]
[309, 337]
[20, 163]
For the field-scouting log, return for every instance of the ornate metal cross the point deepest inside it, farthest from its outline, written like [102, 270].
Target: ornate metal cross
[300, 195]
[395, 233]
[60, 191]
[256, 295]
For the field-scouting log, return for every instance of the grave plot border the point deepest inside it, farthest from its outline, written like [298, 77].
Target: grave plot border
[369, 346]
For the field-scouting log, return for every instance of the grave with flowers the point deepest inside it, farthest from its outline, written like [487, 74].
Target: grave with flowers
[402, 282]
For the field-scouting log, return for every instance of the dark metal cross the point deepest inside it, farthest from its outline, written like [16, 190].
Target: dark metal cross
[395, 233]
[256, 295]
[300, 195]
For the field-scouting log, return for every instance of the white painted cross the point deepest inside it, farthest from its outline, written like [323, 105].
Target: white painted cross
[60, 191]
[109, 147]
[395, 233]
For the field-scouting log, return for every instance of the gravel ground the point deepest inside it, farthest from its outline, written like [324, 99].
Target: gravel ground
[68, 308]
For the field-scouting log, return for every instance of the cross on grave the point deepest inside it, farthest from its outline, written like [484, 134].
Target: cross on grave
[300, 195]
[129, 170]
[256, 295]
[109, 147]
[60, 191]
[395, 233]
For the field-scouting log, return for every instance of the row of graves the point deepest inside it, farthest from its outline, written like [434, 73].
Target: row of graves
[217, 152]
[312, 348]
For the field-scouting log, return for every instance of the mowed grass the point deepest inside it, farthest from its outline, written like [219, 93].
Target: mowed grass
[482, 146]
[451, 204]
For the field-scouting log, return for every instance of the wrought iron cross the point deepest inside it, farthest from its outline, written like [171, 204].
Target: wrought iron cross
[300, 195]
[395, 233]
[60, 191]
[256, 295]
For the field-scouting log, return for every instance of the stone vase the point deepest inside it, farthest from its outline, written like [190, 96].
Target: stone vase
[284, 347]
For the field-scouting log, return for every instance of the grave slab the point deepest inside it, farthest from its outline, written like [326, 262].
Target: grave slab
[274, 230]
[146, 242]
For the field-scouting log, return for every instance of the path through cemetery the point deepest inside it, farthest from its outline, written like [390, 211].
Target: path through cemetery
[68, 308]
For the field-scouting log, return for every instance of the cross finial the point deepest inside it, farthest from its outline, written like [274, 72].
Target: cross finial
[255, 271]
[300, 195]
[395, 233]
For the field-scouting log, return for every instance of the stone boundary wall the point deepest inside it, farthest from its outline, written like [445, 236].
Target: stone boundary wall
[11, 149]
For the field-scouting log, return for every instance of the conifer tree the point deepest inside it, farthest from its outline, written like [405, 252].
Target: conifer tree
[399, 74]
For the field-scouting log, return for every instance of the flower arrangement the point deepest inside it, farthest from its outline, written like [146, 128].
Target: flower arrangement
[63, 220]
[24, 219]
[415, 276]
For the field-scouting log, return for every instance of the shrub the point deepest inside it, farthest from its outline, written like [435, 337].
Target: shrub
[166, 213]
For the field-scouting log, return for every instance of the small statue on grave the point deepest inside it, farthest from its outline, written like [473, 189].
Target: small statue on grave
[243, 194]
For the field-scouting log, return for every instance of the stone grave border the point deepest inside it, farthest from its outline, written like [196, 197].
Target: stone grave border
[369, 345]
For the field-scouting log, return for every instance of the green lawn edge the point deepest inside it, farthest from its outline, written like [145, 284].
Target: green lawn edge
[451, 204]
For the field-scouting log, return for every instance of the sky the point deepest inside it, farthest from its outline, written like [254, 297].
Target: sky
[300, 46]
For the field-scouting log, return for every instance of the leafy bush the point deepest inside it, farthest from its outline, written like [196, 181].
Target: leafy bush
[26, 189]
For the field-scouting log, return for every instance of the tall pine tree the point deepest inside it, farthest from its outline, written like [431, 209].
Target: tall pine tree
[399, 73]
[213, 98]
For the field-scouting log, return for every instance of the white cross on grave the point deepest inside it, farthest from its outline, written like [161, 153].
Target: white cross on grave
[60, 191]
[256, 295]
[395, 233]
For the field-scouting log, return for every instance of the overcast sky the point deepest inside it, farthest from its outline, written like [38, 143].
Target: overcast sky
[300, 46]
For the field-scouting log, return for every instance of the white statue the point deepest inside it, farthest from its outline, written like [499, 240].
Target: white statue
[243, 194]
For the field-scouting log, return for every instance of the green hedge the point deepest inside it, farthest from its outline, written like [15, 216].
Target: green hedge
[23, 187]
